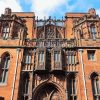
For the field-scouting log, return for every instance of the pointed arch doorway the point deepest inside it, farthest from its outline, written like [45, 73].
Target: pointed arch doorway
[47, 92]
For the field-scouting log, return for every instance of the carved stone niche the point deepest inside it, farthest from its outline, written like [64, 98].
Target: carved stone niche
[7, 11]
[92, 12]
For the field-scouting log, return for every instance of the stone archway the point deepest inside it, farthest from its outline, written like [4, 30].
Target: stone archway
[47, 92]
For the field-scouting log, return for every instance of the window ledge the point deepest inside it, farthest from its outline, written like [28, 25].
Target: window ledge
[96, 94]
[73, 95]
[92, 60]
[9, 38]
[3, 84]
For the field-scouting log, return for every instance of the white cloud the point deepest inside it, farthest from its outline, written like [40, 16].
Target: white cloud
[50, 7]
[46, 7]
[13, 4]
[98, 11]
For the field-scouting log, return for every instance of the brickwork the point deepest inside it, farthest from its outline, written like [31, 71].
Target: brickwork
[50, 59]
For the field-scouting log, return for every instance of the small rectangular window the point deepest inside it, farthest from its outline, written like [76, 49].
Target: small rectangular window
[6, 31]
[91, 55]
[73, 59]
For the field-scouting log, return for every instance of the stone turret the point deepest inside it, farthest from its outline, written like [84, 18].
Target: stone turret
[7, 11]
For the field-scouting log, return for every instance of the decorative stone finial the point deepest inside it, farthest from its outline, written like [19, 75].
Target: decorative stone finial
[7, 11]
[92, 12]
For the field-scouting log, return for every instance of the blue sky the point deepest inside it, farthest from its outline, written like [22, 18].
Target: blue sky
[50, 7]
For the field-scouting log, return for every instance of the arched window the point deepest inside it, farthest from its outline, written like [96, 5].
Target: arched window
[93, 31]
[71, 87]
[4, 67]
[95, 86]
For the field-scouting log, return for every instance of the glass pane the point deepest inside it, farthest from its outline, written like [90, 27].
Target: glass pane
[97, 85]
[26, 86]
[6, 35]
[93, 31]
[57, 56]
[4, 30]
[95, 98]
[75, 97]
[5, 74]
[73, 59]
[71, 87]
[7, 30]
[91, 55]
[74, 86]
[26, 98]
[71, 98]
[1, 75]
[69, 59]
[41, 57]
[6, 63]
[28, 59]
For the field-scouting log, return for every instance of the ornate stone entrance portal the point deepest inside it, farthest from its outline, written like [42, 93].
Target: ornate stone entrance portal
[47, 92]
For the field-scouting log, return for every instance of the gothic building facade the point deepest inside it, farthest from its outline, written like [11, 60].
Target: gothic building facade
[49, 59]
